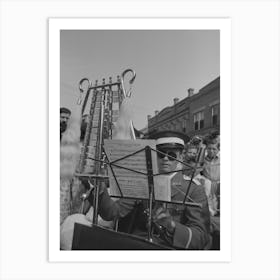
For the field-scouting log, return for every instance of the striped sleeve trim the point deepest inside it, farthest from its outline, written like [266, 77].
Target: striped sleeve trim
[190, 238]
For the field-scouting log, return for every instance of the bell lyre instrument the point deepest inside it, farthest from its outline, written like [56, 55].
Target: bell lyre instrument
[105, 100]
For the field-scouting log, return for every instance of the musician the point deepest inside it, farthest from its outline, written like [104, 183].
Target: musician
[177, 225]
[65, 114]
[211, 171]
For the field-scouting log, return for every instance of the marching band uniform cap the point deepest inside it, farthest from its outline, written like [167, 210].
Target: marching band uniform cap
[65, 110]
[170, 139]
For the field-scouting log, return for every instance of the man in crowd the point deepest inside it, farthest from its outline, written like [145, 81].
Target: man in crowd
[64, 117]
[176, 225]
[191, 153]
[211, 171]
[211, 167]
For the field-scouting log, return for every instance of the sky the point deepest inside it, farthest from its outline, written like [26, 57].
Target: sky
[166, 63]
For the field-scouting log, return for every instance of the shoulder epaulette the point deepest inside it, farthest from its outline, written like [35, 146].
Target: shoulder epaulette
[187, 178]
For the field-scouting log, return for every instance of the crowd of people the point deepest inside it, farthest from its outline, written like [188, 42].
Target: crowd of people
[193, 166]
[203, 153]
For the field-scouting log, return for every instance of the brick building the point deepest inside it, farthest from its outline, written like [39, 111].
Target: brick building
[198, 113]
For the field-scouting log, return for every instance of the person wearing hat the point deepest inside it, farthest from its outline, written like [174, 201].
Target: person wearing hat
[179, 226]
[65, 114]
[191, 228]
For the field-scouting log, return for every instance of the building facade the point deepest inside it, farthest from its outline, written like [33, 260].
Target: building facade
[197, 114]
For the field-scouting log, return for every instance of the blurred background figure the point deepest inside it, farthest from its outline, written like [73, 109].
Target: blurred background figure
[194, 152]
[211, 171]
[211, 168]
[65, 114]
[191, 153]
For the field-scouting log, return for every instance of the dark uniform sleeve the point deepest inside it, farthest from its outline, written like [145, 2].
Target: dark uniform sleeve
[110, 210]
[193, 231]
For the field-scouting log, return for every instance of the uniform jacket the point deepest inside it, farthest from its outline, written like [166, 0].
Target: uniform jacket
[192, 229]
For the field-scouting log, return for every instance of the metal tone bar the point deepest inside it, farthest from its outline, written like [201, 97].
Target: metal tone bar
[109, 105]
[151, 189]
[98, 165]
[87, 135]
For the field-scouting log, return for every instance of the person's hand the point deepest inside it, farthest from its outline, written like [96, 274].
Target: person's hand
[163, 218]
[102, 187]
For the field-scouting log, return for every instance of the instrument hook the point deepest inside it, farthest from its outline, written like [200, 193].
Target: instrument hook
[82, 90]
[127, 94]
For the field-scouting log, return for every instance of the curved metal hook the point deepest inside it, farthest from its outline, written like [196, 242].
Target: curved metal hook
[82, 90]
[81, 84]
[127, 94]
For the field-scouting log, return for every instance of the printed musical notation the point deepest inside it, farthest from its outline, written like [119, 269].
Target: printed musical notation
[128, 171]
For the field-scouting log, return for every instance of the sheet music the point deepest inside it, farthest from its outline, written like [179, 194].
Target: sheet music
[132, 184]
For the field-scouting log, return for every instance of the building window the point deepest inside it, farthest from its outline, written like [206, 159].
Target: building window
[184, 125]
[198, 120]
[215, 114]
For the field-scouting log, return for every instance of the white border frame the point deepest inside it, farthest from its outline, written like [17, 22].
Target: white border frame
[55, 25]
